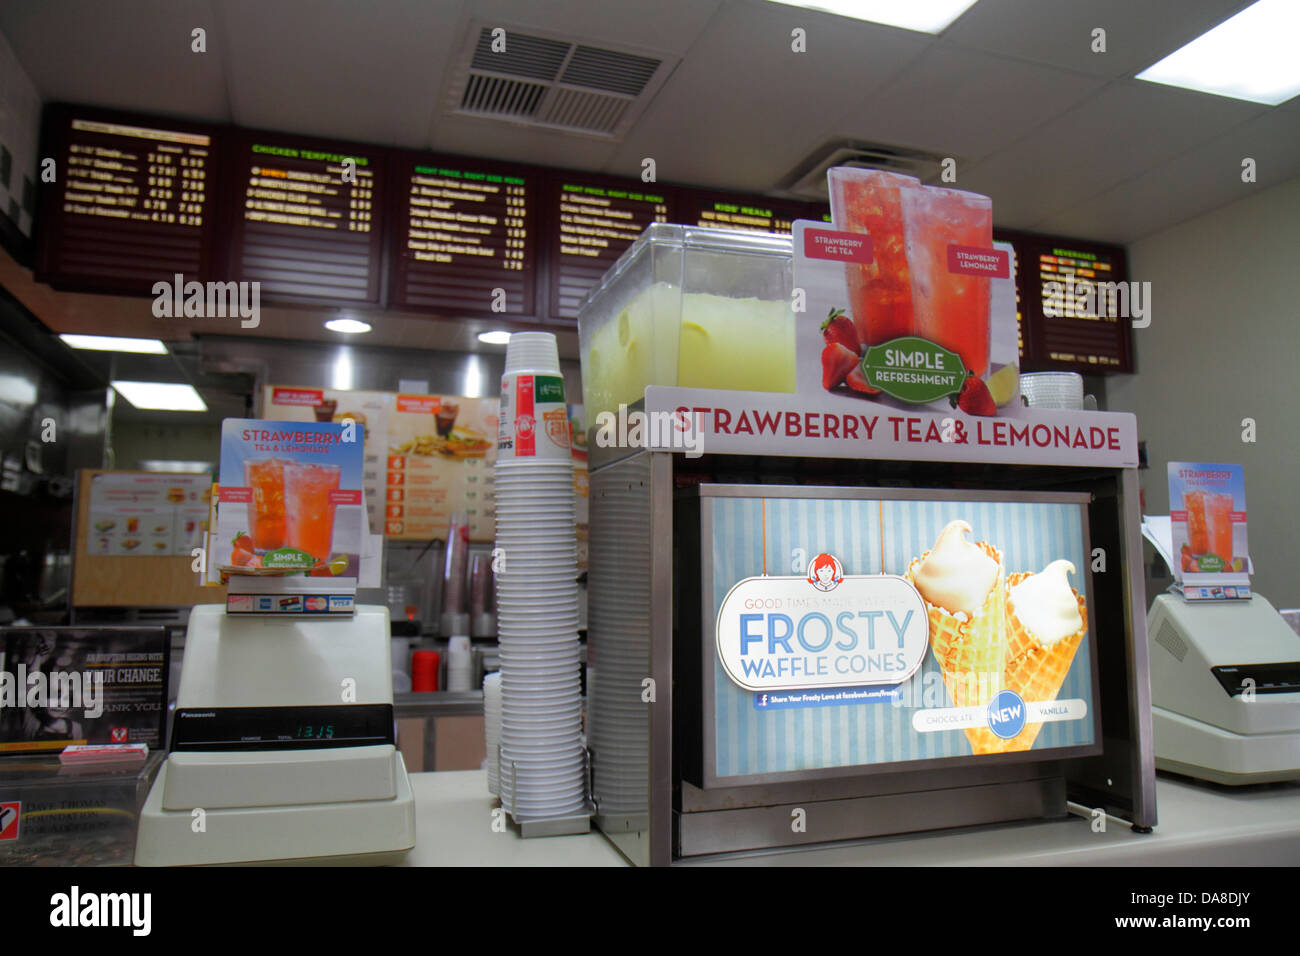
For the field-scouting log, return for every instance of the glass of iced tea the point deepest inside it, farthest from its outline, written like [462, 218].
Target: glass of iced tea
[1219, 518]
[309, 507]
[265, 478]
[880, 294]
[1198, 532]
[952, 308]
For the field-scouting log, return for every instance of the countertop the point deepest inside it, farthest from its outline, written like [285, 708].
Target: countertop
[1200, 825]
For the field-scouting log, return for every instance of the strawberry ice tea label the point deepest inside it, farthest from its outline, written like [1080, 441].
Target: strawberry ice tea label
[534, 421]
[837, 246]
[786, 633]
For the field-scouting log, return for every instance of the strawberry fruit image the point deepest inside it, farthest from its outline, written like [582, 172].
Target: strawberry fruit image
[857, 381]
[974, 398]
[838, 329]
[837, 363]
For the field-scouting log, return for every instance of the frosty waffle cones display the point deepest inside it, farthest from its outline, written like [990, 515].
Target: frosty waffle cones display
[970, 649]
[1033, 670]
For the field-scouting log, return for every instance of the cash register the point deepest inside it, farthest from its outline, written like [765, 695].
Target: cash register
[282, 748]
[1225, 690]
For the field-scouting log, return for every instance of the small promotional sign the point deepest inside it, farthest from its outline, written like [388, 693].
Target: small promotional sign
[61, 686]
[290, 499]
[912, 630]
[1207, 511]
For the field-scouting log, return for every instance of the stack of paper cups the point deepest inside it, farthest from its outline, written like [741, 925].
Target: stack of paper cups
[492, 726]
[542, 768]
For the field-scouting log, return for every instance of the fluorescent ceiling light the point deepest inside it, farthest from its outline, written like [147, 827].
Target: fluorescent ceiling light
[174, 467]
[164, 396]
[347, 326]
[1248, 57]
[111, 343]
[925, 16]
[494, 338]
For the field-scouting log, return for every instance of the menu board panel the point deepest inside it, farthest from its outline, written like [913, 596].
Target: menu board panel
[131, 204]
[592, 223]
[311, 217]
[756, 213]
[465, 229]
[1075, 304]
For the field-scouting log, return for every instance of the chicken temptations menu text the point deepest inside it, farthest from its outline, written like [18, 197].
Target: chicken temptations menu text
[311, 223]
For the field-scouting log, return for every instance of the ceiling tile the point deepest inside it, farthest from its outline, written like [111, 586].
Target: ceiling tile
[369, 72]
[1196, 182]
[476, 136]
[669, 26]
[129, 54]
[1059, 32]
[965, 103]
[1120, 133]
[743, 109]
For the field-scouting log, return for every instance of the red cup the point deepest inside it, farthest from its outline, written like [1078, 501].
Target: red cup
[424, 670]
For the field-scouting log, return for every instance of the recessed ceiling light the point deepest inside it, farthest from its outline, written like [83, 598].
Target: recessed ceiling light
[347, 326]
[164, 396]
[1250, 56]
[925, 16]
[494, 338]
[111, 343]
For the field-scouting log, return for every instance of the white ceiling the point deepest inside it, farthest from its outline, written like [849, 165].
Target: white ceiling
[1062, 138]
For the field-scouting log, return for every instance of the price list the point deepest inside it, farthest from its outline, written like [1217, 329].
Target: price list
[1080, 297]
[596, 224]
[311, 224]
[133, 206]
[467, 242]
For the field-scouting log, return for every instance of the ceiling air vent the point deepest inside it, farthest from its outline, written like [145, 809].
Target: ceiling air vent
[808, 179]
[554, 82]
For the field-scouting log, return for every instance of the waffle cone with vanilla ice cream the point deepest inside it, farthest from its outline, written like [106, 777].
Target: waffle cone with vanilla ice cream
[962, 584]
[1046, 622]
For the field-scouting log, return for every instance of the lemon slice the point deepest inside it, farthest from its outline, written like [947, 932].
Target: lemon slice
[1003, 384]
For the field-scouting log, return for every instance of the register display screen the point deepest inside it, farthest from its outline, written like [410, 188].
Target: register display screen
[860, 629]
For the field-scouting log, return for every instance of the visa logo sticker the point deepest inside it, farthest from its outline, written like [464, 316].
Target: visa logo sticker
[787, 633]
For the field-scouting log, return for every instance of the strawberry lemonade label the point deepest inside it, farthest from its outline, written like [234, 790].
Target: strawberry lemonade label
[534, 421]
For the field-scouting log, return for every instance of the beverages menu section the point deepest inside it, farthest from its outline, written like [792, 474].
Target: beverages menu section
[1079, 306]
[592, 225]
[131, 204]
[466, 237]
[311, 223]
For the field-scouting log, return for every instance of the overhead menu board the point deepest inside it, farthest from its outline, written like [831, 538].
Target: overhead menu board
[1076, 304]
[465, 238]
[746, 212]
[310, 223]
[131, 203]
[593, 222]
